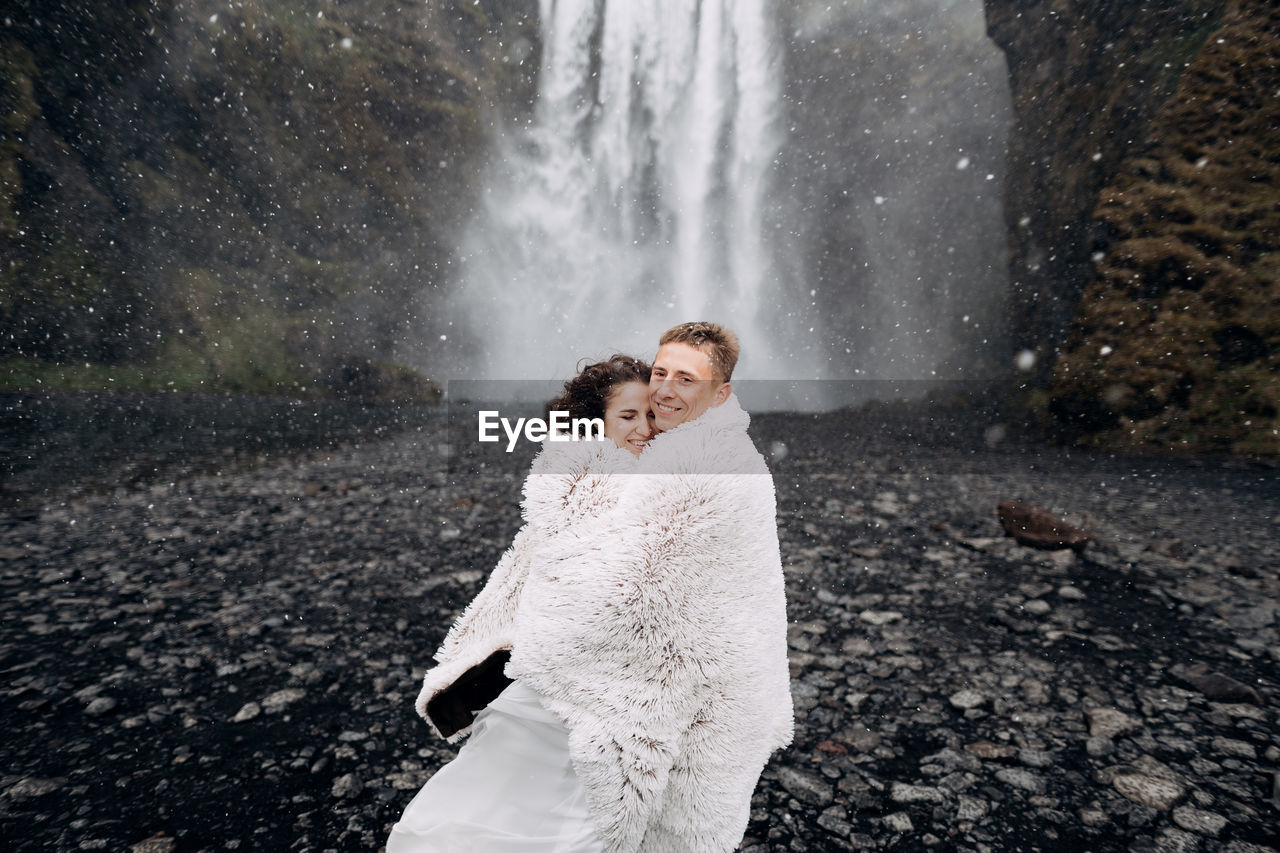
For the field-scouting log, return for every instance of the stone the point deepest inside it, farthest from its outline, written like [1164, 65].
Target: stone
[1038, 528]
[1176, 841]
[806, 787]
[247, 712]
[407, 780]
[856, 700]
[1199, 821]
[1110, 722]
[966, 699]
[1034, 692]
[856, 646]
[899, 822]
[971, 808]
[1099, 747]
[900, 792]
[1251, 618]
[1152, 767]
[1160, 794]
[951, 759]
[1237, 748]
[860, 738]
[158, 843]
[1216, 686]
[979, 543]
[1023, 779]
[835, 820]
[1094, 817]
[32, 786]
[347, 786]
[990, 751]
[282, 698]
[830, 747]
[879, 617]
[1035, 757]
[101, 705]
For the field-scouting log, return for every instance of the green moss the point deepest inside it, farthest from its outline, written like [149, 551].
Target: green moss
[19, 374]
[250, 355]
[70, 274]
[1176, 55]
[289, 170]
[1176, 343]
[235, 364]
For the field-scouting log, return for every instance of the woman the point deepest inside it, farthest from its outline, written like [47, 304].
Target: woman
[513, 786]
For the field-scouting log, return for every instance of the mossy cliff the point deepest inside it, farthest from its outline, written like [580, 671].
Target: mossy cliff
[1086, 77]
[1140, 204]
[240, 197]
[1177, 339]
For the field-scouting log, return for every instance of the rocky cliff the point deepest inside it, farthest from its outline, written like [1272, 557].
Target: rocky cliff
[1086, 78]
[1141, 204]
[244, 196]
[1176, 342]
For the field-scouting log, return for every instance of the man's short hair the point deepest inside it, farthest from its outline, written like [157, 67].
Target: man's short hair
[719, 344]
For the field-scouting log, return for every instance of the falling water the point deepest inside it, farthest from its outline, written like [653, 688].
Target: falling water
[637, 197]
[823, 177]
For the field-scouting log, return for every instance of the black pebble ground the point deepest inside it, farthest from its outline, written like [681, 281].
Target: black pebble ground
[228, 660]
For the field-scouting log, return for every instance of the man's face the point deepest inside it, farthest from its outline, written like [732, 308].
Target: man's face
[683, 385]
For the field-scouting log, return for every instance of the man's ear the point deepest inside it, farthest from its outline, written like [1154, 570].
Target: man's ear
[722, 394]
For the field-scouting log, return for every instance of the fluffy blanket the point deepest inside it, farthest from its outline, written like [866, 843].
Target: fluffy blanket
[648, 609]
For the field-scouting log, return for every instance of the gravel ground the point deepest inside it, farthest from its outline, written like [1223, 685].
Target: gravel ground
[229, 661]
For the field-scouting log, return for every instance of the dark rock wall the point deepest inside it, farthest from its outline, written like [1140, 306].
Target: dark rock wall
[1176, 342]
[1086, 76]
[62, 247]
[248, 193]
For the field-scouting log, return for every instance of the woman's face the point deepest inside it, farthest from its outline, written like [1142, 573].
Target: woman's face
[627, 417]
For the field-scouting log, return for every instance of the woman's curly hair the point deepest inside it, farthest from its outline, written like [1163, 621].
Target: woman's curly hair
[586, 394]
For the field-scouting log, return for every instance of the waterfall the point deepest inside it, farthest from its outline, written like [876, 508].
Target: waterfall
[637, 198]
[823, 178]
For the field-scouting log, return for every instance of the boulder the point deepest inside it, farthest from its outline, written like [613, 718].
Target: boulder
[1038, 528]
[1217, 687]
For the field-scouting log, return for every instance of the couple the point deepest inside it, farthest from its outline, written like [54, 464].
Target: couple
[627, 657]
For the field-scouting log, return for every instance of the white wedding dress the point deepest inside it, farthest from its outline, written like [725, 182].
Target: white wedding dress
[511, 789]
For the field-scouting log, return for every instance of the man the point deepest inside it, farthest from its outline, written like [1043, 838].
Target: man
[659, 629]
[691, 372]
